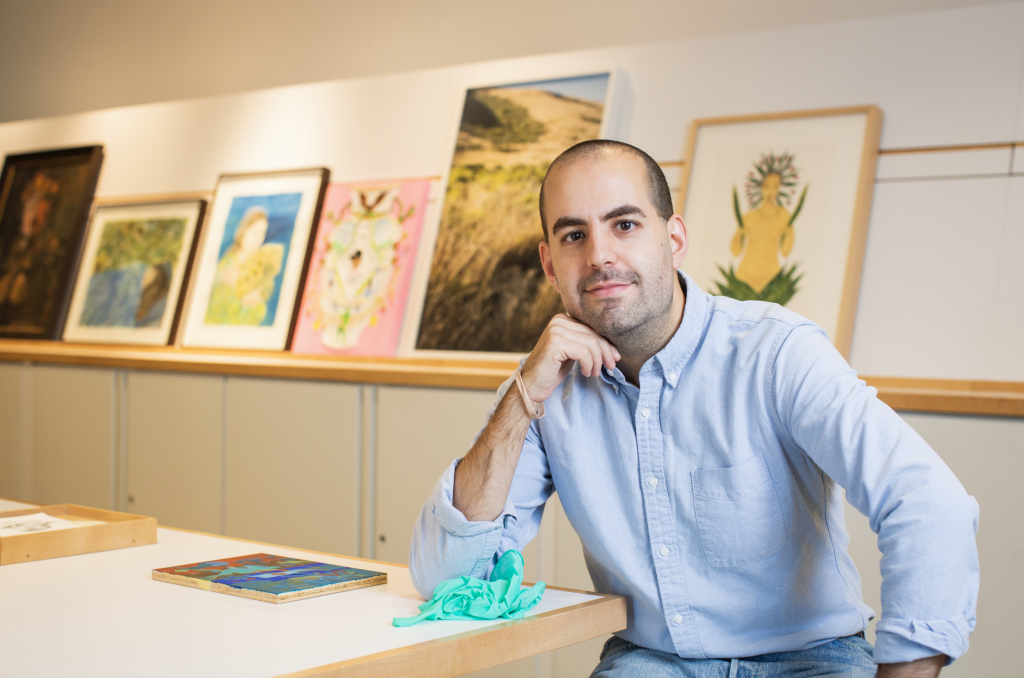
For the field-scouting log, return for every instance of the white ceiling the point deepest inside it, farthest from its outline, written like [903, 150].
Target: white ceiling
[64, 56]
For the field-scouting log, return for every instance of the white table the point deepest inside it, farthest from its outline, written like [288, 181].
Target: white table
[101, 614]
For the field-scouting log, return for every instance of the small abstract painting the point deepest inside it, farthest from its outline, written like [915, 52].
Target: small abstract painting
[253, 260]
[44, 205]
[361, 270]
[134, 266]
[276, 579]
[486, 290]
[776, 208]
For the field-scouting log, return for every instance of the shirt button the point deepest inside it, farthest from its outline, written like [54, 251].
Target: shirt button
[678, 619]
[653, 482]
[664, 550]
[672, 377]
[646, 412]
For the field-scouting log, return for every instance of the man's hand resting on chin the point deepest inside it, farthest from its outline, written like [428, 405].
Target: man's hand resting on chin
[565, 341]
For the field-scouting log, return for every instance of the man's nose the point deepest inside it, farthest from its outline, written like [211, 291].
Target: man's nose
[601, 248]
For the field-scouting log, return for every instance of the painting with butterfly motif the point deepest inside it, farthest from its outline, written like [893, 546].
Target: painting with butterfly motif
[359, 276]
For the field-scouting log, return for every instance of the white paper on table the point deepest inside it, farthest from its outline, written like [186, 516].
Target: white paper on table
[39, 522]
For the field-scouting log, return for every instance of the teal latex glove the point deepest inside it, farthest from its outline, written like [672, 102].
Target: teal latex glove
[472, 599]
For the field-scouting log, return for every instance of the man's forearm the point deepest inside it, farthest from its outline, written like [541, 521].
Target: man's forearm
[483, 478]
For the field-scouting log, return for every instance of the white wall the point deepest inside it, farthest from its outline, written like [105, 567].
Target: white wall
[941, 292]
[67, 56]
[942, 78]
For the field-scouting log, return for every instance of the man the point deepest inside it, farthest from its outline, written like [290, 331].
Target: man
[698, 445]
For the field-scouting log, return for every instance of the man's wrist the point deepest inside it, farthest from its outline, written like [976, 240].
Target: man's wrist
[926, 667]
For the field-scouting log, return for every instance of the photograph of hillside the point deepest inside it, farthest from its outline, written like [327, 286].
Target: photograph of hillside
[486, 290]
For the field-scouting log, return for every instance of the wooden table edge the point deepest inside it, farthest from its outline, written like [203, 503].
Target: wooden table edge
[465, 652]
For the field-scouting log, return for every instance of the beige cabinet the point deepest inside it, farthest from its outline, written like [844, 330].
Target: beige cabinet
[174, 449]
[292, 463]
[419, 431]
[13, 480]
[74, 436]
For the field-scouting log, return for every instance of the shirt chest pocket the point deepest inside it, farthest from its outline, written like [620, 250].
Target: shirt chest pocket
[738, 513]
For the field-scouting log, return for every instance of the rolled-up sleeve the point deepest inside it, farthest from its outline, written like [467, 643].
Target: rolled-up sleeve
[446, 545]
[925, 520]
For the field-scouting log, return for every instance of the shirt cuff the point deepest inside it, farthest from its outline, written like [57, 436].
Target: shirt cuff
[904, 640]
[453, 520]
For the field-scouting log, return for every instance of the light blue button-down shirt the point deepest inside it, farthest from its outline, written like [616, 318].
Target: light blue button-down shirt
[710, 496]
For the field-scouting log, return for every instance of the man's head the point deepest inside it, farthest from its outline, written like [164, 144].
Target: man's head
[612, 242]
[657, 186]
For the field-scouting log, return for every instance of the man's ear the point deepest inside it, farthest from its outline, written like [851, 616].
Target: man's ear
[677, 240]
[545, 261]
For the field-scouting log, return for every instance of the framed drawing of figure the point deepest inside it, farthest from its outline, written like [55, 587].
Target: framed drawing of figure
[777, 206]
[253, 258]
[359, 276]
[134, 265]
[483, 292]
[44, 205]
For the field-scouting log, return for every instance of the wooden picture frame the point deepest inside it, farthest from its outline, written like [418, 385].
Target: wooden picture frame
[134, 269]
[253, 258]
[115, 530]
[777, 209]
[503, 138]
[44, 205]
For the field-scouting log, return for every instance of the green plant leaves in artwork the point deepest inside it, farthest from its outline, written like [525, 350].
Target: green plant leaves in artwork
[736, 207]
[779, 290]
[503, 122]
[148, 241]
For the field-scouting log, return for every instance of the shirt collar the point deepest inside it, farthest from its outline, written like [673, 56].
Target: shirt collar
[674, 357]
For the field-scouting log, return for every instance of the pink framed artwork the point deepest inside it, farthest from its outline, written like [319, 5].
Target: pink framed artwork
[359, 276]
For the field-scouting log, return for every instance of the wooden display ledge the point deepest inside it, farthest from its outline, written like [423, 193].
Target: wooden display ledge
[1000, 398]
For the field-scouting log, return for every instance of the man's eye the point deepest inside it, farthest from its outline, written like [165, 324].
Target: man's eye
[573, 237]
[626, 225]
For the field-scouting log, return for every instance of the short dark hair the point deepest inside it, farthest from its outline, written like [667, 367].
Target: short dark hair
[657, 186]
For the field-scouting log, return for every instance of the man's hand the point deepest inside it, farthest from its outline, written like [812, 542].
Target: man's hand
[564, 342]
[927, 667]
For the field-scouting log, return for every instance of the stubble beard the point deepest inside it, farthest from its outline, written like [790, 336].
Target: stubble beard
[634, 326]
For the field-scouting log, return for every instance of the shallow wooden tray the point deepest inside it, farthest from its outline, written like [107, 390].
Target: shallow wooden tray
[118, 531]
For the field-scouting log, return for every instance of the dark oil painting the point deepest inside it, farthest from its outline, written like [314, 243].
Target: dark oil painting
[44, 203]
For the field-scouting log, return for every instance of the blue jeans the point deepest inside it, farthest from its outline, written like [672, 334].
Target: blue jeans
[849, 657]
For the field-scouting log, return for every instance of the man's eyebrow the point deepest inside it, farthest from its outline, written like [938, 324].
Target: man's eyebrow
[623, 210]
[568, 222]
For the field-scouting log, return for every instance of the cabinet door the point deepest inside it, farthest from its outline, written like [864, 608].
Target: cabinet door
[74, 444]
[292, 473]
[174, 448]
[419, 432]
[12, 463]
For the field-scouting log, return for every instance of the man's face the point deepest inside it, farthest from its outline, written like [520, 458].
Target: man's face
[610, 255]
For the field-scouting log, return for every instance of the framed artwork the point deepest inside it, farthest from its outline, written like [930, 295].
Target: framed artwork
[253, 258]
[777, 206]
[44, 206]
[484, 293]
[359, 275]
[134, 265]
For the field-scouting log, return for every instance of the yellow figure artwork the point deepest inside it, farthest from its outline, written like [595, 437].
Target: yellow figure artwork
[245, 274]
[765, 235]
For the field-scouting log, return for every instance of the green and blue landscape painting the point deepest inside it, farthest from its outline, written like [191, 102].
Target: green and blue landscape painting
[132, 273]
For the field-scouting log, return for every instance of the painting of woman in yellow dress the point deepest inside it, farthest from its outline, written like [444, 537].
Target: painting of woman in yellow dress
[765, 235]
[247, 281]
